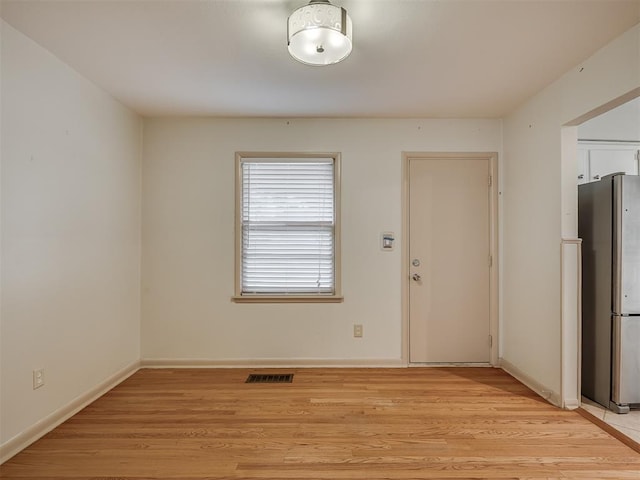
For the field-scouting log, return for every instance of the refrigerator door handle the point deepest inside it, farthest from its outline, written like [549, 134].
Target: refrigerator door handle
[616, 287]
[615, 359]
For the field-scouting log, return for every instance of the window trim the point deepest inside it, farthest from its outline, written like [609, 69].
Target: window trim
[336, 297]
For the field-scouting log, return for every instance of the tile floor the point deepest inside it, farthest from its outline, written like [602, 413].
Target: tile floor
[628, 423]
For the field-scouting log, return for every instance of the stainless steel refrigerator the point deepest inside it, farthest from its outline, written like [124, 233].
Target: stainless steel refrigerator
[609, 225]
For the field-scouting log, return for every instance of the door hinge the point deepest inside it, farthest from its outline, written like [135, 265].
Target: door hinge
[490, 341]
[638, 155]
[490, 180]
[490, 260]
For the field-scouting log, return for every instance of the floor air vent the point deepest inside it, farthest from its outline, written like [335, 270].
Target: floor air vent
[265, 378]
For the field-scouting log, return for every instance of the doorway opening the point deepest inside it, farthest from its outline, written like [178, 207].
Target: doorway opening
[602, 142]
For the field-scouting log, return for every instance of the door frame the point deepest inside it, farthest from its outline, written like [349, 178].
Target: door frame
[492, 157]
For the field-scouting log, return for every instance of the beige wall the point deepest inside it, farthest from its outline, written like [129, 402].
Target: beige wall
[540, 208]
[70, 234]
[188, 238]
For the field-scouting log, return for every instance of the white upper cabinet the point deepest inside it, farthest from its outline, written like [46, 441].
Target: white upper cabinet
[583, 165]
[604, 162]
[597, 159]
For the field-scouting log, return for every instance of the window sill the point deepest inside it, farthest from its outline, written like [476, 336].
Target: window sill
[287, 299]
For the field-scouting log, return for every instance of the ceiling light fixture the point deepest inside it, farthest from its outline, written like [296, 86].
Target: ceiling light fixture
[319, 33]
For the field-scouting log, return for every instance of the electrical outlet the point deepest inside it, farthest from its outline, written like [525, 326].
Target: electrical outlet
[38, 378]
[357, 330]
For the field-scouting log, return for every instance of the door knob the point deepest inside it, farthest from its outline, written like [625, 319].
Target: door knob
[416, 277]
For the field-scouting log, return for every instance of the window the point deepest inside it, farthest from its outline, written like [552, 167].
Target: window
[287, 227]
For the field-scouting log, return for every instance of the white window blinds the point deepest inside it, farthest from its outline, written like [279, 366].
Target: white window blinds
[288, 226]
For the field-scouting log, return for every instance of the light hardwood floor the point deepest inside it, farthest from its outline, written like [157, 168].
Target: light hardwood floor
[416, 423]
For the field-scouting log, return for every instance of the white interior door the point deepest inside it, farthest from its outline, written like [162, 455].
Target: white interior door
[449, 253]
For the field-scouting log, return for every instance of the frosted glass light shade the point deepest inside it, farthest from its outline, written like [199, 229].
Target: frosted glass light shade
[319, 33]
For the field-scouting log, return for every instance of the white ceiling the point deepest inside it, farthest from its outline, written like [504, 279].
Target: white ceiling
[411, 58]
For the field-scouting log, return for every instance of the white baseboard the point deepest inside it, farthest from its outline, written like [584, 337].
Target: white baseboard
[271, 363]
[18, 443]
[548, 394]
[39, 429]
[571, 404]
[449, 364]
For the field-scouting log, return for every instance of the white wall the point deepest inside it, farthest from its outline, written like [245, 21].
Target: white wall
[621, 123]
[188, 238]
[540, 207]
[70, 235]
